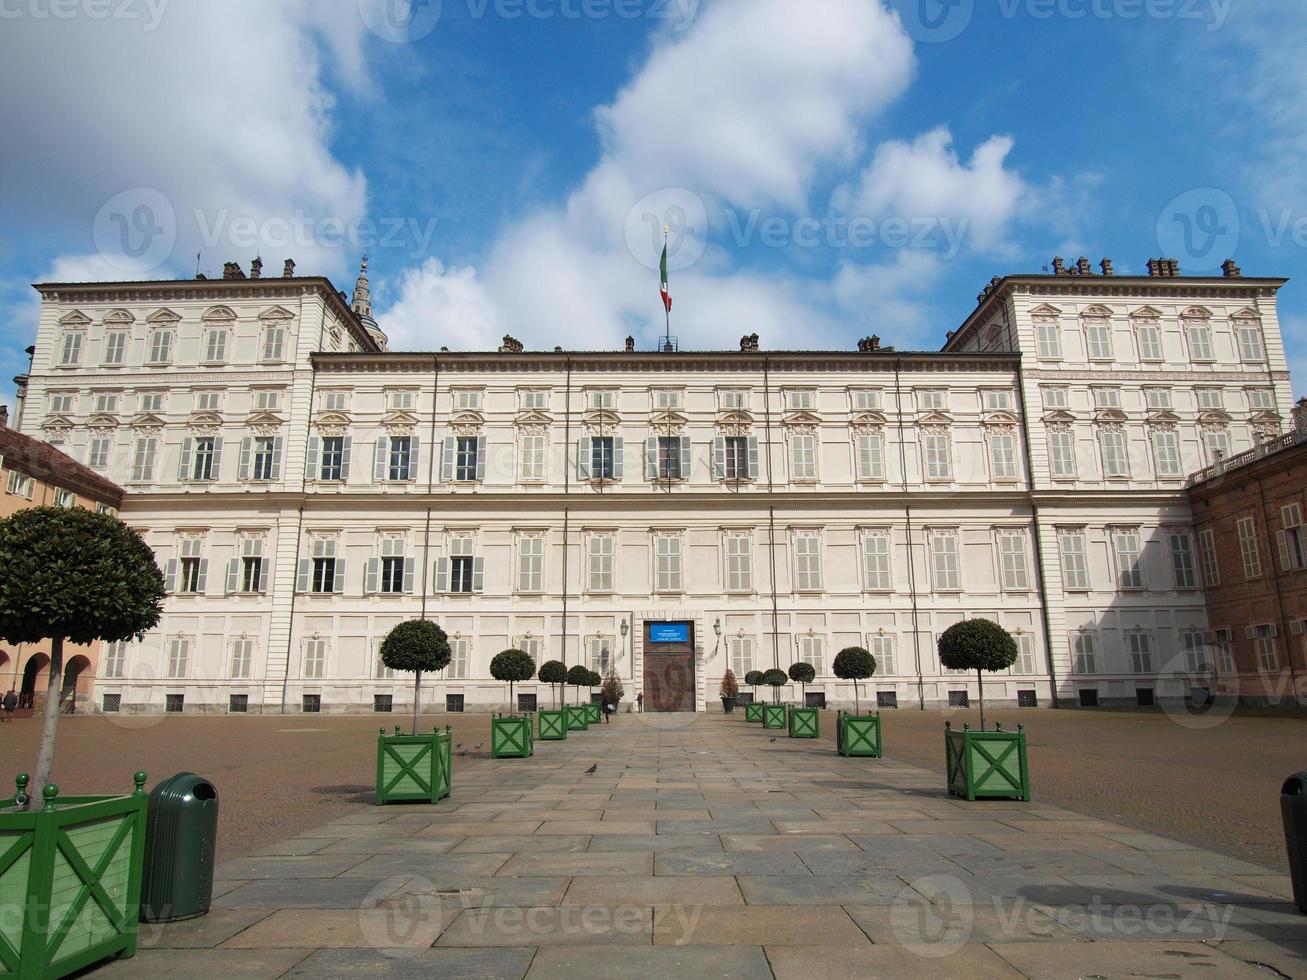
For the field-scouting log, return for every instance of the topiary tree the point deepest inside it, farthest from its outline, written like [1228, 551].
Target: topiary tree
[511, 666]
[753, 678]
[854, 664]
[553, 673]
[612, 690]
[802, 674]
[416, 645]
[730, 688]
[775, 679]
[67, 573]
[977, 644]
[578, 676]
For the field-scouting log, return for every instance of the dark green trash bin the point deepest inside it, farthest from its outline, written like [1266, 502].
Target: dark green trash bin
[1293, 807]
[181, 834]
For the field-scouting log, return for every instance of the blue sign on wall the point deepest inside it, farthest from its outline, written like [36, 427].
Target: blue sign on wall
[669, 632]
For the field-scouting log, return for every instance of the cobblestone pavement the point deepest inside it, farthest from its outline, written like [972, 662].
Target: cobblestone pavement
[703, 846]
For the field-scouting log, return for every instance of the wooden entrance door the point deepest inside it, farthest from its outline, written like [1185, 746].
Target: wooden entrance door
[668, 666]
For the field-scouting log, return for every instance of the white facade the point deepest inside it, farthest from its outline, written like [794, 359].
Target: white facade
[306, 492]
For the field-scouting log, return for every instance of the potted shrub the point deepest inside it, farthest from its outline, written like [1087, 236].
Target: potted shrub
[753, 710]
[730, 690]
[804, 722]
[414, 767]
[773, 715]
[416, 645]
[69, 574]
[612, 690]
[552, 725]
[578, 717]
[983, 764]
[856, 734]
[511, 737]
[594, 711]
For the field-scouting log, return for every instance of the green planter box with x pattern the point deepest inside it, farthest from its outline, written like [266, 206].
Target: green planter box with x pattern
[858, 735]
[594, 714]
[753, 711]
[510, 738]
[551, 725]
[987, 765]
[774, 715]
[578, 718]
[805, 723]
[70, 881]
[414, 768]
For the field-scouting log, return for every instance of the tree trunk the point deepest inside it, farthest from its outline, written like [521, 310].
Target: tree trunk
[511, 710]
[45, 757]
[856, 712]
[980, 679]
[417, 696]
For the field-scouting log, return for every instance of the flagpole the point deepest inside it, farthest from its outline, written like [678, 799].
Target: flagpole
[667, 310]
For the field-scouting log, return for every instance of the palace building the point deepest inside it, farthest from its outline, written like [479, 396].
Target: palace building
[667, 512]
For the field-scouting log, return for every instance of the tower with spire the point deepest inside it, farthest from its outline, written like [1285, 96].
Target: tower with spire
[362, 305]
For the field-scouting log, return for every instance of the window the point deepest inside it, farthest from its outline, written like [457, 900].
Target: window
[71, 353]
[1224, 651]
[1248, 551]
[810, 653]
[741, 652]
[530, 562]
[599, 563]
[1056, 397]
[60, 402]
[1098, 334]
[114, 663]
[247, 573]
[315, 659]
[401, 399]
[242, 658]
[932, 399]
[532, 647]
[20, 485]
[601, 458]
[1210, 399]
[1013, 563]
[390, 573]
[1158, 399]
[1128, 549]
[1268, 660]
[739, 563]
[870, 456]
[733, 399]
[1140, 647]
[1062, 453]
[267, 400]
[64, 498]
[1216, 444]
[1194, 645]
[1150, 341]
[997, 401]
[208, 401]
[266, 453]
[1207, 549]
[1183, 566]
[274, 342]
[179, 653]
[882, 648]
[735, 457]
[201, 458]
[1200, 341]
[467, 459]
[97, 456]
[600, 649]
[532, 399]
[468, 400]
[1293, 552]
[323, 572]
[215, 346]
[1025, 662]
[115, 346]
[1003, 455]
[334, 401]
[603, 401]
[151, 402]
[944, 561]
[1261, 399]
[333, 461]
[1166, 453]
[1083, 653]
[803, 456]
[1107, 398]
[106, 403]
[1075, 561]
[160, 346]
[939, 462]
[866, 400]
[396, 458]
[531, 460]
[666, 399]
[191, 570]
[672, 457]
[1116, 462]
[459, 648]
[667, 563]
[464, 567]
[801, 399]
[807, 562]
[876, 567]
[1251, 347]
[1048, 340]
[147, 449]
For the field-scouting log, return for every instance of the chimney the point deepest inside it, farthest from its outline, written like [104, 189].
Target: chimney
[1155, 267]
[749, 344]
[1082, 267]
[4, 416]
[511, 346]
[1230, 270]
[1059, 267]
[1300, 417]
[288, 270]
[1173, 268]
[256, 268]
[630, 345]
[232, 270]
[1106, 266]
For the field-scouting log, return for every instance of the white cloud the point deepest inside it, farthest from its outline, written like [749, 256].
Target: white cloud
[441, 307]
[894, 297]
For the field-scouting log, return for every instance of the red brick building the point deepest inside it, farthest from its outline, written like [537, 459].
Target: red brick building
[1250, 515]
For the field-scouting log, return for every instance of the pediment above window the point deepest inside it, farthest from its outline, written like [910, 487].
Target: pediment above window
[1059, 417]
[1163, 418]
[874, 420]
[277, 313]
[1196, 313]
[1267, 415]
[1000, 418]
[934, 417]
[102, 423]
[467, 419]
[147, 420]
[207, 420]
[399, 418]
[1044, 310]
[119, 317]
[56, 423]
[1214, 417]
[667, 416]
[264, 418]
[1096, 313]
[1146, 313]
[606, 418]
[218, 313]
[1246, 314]
[74, 319]
[163, 316]
[735, 417]
[336, 419]
[802, 417]
[534, 417]
[1110, 415]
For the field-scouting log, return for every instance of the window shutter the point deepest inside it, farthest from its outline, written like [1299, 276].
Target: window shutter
[379, 451]
[247, 447]
[478, 574]
[414, 455]
[303, 575]
[1273, 630]
[265, 576]
[184, 468]
[313, 458]
[719, 458]
[651, 458]
[1283, 538]
[170, 576]
[203, 580]
[233, 574]
[345, 448]
[1250, 632]
[216, 473]
[447, 456]
[584, 456]
[481, 459]
[277, 443]
[370, 574]
[338, 584]
[619, 458]
[441, 575]
[410, 566]
[753, 457]
[685, 457]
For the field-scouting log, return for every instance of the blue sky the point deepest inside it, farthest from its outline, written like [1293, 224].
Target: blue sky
[831, 169]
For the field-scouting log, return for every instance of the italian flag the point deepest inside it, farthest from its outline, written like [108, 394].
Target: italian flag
[662, 271]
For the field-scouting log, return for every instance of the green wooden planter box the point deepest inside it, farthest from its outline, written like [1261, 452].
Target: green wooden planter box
[594, 714]
[805, 723]
[987, 765]
[70, 881]
[858, 735]
[510, 738]
[753, 711]
[551, 725]
[578, 718]
[414, 768]
[774, 715]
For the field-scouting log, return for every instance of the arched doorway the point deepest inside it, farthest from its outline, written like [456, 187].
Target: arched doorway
[73, 671]
[33, 674]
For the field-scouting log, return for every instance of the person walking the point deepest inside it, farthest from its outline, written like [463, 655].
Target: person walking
[10, 703]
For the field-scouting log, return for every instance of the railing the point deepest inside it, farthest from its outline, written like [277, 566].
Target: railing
[1269, 448]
